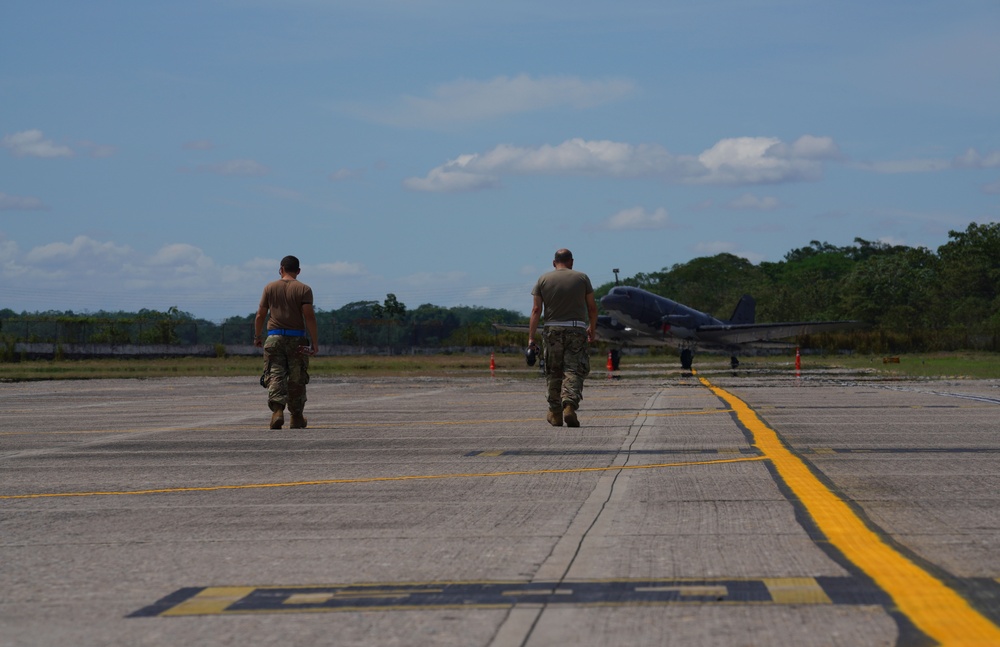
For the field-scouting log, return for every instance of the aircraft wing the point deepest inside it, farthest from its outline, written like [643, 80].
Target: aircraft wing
[608, 331]
[751, 333]
[512, 327]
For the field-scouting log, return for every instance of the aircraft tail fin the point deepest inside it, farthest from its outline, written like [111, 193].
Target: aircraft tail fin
[745, 312]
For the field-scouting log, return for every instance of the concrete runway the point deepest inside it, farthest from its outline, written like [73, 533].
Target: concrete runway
[714, 509]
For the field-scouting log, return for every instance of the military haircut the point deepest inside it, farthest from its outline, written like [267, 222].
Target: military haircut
[290, 264]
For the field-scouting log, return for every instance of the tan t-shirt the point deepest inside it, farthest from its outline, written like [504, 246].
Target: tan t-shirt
[284, 299]
[564, 295]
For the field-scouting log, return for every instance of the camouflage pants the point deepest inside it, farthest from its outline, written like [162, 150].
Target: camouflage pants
[287, 373]
[567, 364]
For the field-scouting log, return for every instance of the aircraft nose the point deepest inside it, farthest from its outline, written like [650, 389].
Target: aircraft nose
[615, 297]
[610, 300]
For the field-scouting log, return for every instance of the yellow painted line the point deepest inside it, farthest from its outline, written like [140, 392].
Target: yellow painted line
[796, 590]
[380, 479]
[933, 607]
[323, 598]
[212, 601]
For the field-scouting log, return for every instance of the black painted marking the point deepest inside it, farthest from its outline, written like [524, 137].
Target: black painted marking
[167, 603]
[374, 597]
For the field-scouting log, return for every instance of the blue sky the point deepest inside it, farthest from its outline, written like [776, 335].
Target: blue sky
[170, 153]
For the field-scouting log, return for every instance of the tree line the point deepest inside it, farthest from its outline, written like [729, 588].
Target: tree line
[373, 324]
[911, 298]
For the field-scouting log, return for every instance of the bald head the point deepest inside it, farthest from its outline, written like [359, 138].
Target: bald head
[563, 257]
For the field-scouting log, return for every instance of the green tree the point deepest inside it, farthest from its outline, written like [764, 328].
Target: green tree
[809, 282]
[893, 291]
[969, 286]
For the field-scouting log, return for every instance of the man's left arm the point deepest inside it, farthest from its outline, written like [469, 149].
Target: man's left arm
[592, 316]
[534, 319]
[309, 316]
[258, 326]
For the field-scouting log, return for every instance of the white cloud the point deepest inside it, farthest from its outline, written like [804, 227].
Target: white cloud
[91, 275]
[810, 147]
[638, 218]
[20, 203]
[82, 248]
[466, 100]
[744, 160]
[83, 258]
[181, 255]
[32, 143]
[972, 159]
[572, 157]
[766, 160]
[450, 178]
[10, 254]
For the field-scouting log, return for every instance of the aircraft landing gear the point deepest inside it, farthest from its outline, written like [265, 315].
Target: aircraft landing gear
[687, 359]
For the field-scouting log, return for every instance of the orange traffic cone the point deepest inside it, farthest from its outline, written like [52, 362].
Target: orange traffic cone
[798, 359]
[611, 365]
[493, 363]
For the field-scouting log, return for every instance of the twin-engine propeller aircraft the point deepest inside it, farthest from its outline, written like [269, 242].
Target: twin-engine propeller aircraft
[640, 318]
[636, 316]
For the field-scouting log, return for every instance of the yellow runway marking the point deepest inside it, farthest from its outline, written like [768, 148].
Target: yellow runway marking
[211, 601]
[225, 600]
[929, 603]
[380, 479]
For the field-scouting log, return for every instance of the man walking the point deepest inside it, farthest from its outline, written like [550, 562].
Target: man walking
[564, 302]
[286, 349]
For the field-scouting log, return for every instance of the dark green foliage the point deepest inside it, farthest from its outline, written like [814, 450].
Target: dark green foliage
[913, 299]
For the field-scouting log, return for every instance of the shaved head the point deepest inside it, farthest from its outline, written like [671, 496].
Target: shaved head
[563, 256]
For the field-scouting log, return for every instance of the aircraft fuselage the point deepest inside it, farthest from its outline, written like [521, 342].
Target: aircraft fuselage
[652, 314]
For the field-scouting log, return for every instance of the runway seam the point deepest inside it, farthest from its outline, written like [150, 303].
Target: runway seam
[637, 424]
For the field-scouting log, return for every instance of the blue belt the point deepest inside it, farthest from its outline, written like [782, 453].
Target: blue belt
[287, 333]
